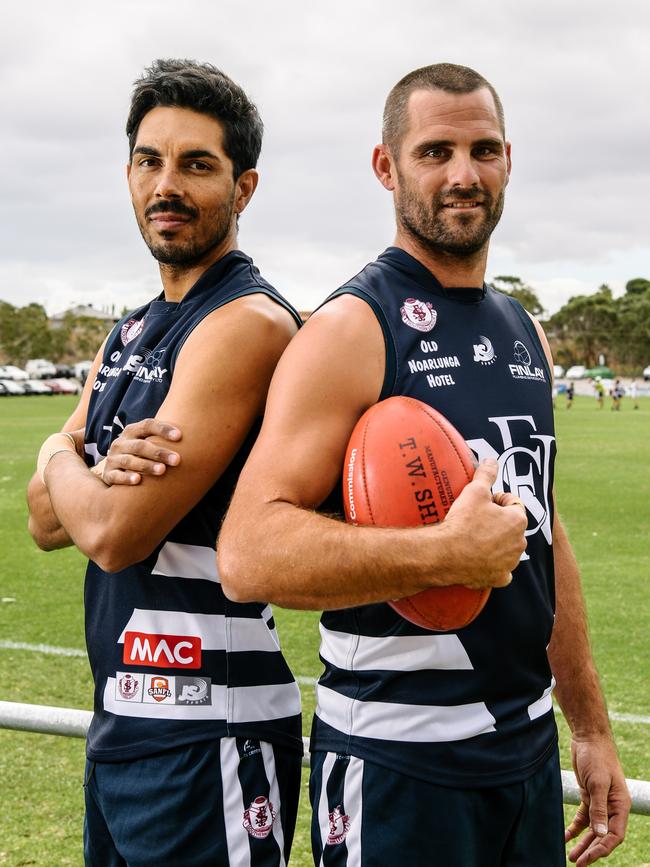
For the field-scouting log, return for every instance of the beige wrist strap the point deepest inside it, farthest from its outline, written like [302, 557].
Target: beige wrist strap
[58, 442]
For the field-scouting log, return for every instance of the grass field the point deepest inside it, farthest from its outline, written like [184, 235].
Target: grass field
[603, 492]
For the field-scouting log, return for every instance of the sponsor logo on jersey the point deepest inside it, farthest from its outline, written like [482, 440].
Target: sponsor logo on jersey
[522, 368]
[137, 686]
[524, 469]
[159, 689]
[193, 690]
[131, 329]
[522, 355]
[484, 351]
[339, 826]
[444, 361]
[418, 314]
[162, 651]
[258, 819]
[129, 687]
[437, 381]
[251, 748]
[150, 370]
[350, 485]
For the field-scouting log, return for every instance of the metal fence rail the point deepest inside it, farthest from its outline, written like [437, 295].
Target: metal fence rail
[74, 723]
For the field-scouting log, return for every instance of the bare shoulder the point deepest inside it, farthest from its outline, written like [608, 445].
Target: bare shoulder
[253, 325]
[261, 310]
[338, 356]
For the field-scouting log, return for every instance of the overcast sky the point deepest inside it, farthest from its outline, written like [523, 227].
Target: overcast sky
[574, 78]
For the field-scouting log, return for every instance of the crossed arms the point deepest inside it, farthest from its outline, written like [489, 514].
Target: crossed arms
[217, 391]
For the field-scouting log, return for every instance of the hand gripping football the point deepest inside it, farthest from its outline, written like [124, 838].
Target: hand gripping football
[405, 465]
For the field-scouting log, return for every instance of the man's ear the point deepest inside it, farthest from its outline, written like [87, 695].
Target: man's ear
[245, 186]
[384, 167]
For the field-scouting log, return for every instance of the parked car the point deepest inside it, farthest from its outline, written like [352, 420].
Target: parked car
[63, 386]
[577, 371]
[40, 368]
[602, 372]
[646, 373]
[558, 371]
[35, 386]
[12, 387]
[10, 371]
[64, 371]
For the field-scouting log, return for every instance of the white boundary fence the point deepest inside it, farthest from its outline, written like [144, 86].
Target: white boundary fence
[74, 723]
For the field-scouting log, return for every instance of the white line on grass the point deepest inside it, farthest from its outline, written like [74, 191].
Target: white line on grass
[303, 680]
[42, 648]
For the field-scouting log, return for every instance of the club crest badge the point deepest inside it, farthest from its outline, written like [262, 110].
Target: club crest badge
[339, 826]
[129, 687]
[258, 819]
[418, 314]
[130, 330]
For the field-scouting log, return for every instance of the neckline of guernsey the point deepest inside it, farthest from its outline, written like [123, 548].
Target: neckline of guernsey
[207, 280]
[415, 269]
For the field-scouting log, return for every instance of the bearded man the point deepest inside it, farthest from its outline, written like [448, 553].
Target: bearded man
[432, 748]
[195, 745]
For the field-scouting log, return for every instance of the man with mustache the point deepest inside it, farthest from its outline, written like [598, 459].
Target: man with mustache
[195, 746]
[432, 748]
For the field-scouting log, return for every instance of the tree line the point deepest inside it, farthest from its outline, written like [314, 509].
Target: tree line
[585, 328]
[589, 326]
[26, 332]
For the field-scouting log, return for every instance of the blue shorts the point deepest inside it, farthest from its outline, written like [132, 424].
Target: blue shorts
[368, 816]
[230, 802]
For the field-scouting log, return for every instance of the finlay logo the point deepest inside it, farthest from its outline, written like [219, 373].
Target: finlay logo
[162, 651]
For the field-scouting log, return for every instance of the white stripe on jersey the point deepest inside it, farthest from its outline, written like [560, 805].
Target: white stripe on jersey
[393, 653]
[239, 852]
[215, 631]
[176, 560]
[245, 703]
[353, 801]
[391, 721]
[91, 449]
[323, 808]
[544, 704]
[274, 797]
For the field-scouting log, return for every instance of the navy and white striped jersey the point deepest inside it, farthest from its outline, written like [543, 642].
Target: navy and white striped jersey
[472, 707]
[173, 660]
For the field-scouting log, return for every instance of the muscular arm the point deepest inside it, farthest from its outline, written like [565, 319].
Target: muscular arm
[44, 526]
[605, 800]
[274, 546]
[218, 389]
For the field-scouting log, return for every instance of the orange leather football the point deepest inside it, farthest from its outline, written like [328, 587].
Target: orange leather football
[405, 465]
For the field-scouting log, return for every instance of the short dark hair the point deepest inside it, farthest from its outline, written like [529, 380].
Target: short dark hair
[448, 77]
[205, 89]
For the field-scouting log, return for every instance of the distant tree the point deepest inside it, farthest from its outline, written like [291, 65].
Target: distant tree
[632, 336]
[585, 327]
[24, 333]
[525, 294]
[637, 286]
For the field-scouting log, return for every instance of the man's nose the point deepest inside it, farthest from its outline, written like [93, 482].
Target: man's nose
[168, 184]
[462, 171]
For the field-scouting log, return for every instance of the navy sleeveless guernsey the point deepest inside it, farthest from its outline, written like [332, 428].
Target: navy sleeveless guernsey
[469, 708]
[173, 660]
